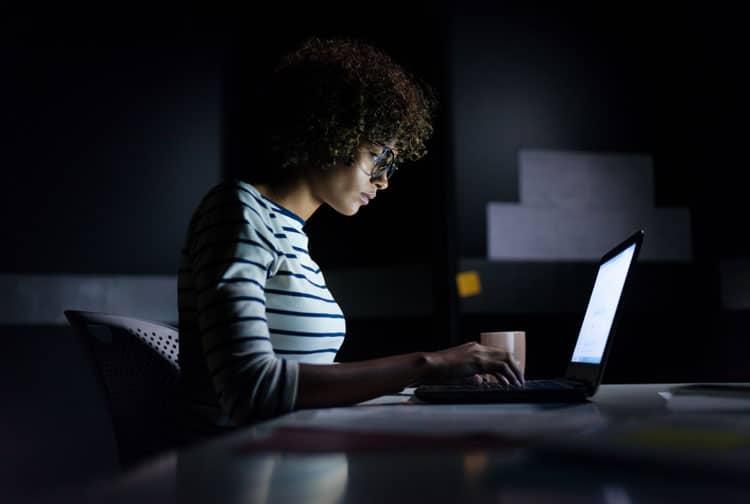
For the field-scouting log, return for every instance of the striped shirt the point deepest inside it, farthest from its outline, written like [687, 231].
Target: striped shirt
[252, 304]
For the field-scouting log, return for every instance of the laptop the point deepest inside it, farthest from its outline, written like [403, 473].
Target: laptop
[586, 367]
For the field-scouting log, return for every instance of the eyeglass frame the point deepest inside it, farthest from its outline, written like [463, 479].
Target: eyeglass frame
[389, 169]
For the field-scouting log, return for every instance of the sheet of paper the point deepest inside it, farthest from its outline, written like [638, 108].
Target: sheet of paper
[565, 234]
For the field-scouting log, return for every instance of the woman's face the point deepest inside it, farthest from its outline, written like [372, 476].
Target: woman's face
[346, 188]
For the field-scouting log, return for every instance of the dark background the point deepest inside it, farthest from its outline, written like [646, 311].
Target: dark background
[116, 122]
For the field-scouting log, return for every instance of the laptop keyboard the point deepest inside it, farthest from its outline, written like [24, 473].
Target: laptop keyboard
[555, 390]
[535, 385]
[529, 385]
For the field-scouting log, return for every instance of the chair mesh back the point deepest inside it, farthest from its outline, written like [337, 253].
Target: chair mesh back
[136, 362]
[164, 342]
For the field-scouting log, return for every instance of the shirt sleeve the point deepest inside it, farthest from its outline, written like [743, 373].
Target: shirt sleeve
[232, 257]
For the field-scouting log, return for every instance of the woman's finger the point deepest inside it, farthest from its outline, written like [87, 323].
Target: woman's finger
[491, 378]
[513, 364]
[510, 368]
[507, 371]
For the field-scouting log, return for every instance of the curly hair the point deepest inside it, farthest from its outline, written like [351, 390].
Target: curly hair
[328, 96]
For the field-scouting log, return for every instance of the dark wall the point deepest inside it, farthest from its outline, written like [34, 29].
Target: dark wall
[111, 132]
[659, 81]
[666, 82]
[106, 150]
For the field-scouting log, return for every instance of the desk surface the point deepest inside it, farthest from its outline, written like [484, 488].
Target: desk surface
[624, 446]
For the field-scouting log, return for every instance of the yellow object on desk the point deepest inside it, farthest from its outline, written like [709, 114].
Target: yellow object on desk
[468, 283]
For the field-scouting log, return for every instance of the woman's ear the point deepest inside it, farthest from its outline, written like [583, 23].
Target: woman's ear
[329, 165]
[324, 167]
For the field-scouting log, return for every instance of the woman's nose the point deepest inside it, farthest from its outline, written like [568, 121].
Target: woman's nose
[381, 182]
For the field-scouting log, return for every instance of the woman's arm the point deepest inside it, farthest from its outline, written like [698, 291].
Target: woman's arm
[231, 253]
[348, 383]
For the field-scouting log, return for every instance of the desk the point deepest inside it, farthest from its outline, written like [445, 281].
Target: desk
[488, 453]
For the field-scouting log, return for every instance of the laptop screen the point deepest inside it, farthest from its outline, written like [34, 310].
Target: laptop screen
[600, 312]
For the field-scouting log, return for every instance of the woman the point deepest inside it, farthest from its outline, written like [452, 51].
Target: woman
[259, 329]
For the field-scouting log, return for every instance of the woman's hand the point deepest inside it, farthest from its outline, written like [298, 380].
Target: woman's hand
[472, 362]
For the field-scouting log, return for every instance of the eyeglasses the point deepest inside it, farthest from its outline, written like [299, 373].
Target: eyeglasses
[383, 163]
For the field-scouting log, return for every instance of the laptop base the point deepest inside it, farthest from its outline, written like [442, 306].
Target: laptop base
[464, 394]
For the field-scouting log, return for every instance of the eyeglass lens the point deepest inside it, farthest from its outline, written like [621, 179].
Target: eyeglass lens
[384, 163]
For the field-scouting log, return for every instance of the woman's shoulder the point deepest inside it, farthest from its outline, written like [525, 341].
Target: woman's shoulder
[230, 192]
[235, 200]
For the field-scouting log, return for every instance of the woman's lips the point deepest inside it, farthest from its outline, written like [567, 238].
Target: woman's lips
[365, 199]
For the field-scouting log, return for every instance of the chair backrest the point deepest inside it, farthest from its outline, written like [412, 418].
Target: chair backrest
[136, 364]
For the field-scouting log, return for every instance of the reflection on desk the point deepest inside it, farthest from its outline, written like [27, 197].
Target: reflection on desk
[289, 478]
[530, 454]
[531, 421]
[680, 442]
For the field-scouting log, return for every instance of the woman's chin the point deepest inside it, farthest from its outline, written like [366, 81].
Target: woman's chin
[347, 211]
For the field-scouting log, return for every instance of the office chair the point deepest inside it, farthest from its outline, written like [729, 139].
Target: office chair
[136, 364]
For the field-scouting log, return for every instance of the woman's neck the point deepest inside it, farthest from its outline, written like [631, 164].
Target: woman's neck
[296, 197]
